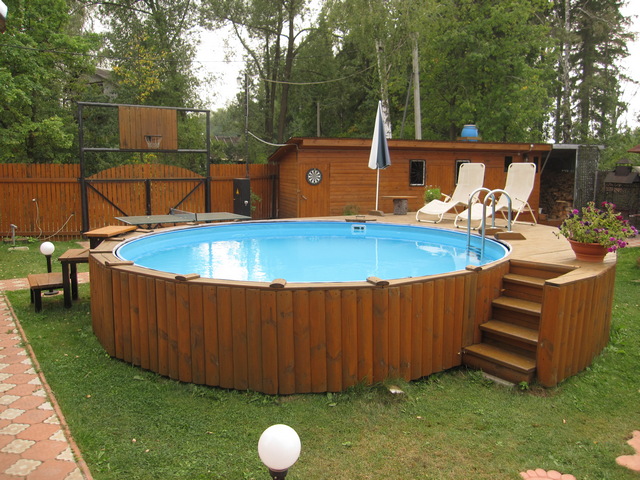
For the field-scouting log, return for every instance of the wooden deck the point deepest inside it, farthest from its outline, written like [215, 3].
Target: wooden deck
[328, 337]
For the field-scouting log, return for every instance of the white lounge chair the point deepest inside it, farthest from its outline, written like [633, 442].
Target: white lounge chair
[470, 178]
[519, 185]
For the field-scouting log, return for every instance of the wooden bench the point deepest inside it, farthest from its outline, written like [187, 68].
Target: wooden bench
[69, 261]
[99, 234]
[43, 281]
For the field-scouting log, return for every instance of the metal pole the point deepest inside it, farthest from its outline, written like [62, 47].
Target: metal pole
[246, 121]
[83, 184]
[416, 90]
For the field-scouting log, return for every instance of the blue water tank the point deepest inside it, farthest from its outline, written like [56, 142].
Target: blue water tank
[469, 133]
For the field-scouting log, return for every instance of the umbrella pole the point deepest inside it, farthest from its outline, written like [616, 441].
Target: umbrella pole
[377, 187]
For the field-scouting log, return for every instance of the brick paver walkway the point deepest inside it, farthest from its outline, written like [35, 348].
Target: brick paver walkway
[34, 440]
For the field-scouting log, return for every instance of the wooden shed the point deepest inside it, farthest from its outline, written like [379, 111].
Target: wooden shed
[330, 176]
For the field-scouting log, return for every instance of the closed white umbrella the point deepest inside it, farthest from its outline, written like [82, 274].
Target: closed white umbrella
[379, 157]
[3, 16]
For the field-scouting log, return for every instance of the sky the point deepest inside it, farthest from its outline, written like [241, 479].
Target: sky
[226, 65]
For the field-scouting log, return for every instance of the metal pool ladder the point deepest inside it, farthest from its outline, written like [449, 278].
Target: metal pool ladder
[491, 195]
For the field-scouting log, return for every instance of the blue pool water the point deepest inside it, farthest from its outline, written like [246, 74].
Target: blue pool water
[308, 251]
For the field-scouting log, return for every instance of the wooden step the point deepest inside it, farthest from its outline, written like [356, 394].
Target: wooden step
[535, 269]
[524, 280]
[518, 305]
[511, 331]
[498, 362]
[505, 358]
[524, 287]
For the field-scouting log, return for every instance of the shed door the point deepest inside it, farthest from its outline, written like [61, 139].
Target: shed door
[313, 196]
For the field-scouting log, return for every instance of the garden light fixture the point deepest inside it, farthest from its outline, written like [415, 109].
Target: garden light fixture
[279, 448]
[47, 249]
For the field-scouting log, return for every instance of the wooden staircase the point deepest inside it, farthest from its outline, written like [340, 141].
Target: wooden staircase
[510, 338]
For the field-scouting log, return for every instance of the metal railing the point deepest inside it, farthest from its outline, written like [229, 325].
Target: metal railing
[491, 195]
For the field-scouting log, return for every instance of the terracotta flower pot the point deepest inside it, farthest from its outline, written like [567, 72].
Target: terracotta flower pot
[588, 252]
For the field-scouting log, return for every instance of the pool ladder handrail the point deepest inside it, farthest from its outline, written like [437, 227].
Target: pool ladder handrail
[491, 195]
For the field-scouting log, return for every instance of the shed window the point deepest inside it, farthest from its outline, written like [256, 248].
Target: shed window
[508, 160]
[417, 170]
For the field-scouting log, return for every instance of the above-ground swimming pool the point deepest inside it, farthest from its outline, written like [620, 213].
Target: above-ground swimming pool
[328, 332]
[309, 251]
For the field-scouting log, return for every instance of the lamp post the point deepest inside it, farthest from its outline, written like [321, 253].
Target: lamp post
[47, 249]
[279, 448]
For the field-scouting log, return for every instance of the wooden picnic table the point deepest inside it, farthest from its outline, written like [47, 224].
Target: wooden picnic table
[174, 218]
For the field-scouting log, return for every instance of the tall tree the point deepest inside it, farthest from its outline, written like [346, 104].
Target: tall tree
[271, 33]
[151, 45]
[592, 38]
[487, 63]
[44, 60]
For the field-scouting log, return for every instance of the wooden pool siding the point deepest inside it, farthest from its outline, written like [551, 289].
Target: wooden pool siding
[575, 322]
[296, 339]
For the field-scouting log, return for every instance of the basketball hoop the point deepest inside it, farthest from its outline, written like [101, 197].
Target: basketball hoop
[153, 141]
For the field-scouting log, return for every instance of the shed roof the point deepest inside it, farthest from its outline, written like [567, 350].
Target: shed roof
[427, 145]
[635, 149]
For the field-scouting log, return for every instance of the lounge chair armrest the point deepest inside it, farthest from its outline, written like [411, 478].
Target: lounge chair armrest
[446, 197]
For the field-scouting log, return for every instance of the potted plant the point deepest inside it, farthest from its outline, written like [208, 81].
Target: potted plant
[431, 192]
[594, 231]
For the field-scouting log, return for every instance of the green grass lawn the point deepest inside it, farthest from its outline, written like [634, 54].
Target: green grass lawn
[20, 263]
[130, 423]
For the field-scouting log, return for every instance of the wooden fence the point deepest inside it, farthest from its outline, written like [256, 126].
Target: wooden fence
[45, 200]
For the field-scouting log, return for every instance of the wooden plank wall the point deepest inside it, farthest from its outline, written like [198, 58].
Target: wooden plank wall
[135, 122]
[353, 183]
[57, 193]
[129, 194]
[291, 340]
[574, 326]
[58, 209]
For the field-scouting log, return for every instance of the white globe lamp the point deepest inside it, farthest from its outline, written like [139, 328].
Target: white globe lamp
[279, 448]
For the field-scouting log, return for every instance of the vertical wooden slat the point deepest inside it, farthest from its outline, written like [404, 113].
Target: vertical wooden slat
[286, 343]
[405, 324]
[394, 332]
[365, 336]
[163, 329]
[269, 342]
[210, 332]
[301, 331]
[449, 318]
[147, 327]
[225, 337]
[417, 327]
[439, 323]
[183, 332]
[125, 316]
[459, 301]
[134, 311]
[563, 329]
[172, 330]
[239, 335]
[580, 302]
[151, 324]
[196, 320]
[116, 283]
[349, 330]
[427, 328]
[333, 324]
[318, 341]
[254, 340]
[380, 334]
